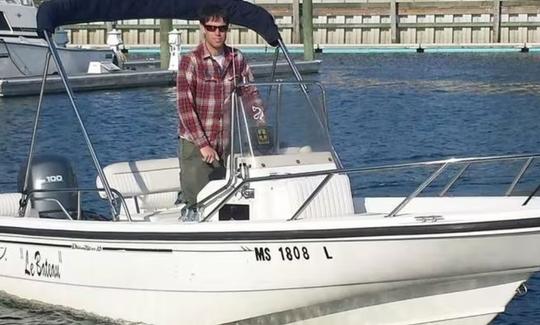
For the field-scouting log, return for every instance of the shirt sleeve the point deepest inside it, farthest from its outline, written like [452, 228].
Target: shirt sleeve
[186, 94]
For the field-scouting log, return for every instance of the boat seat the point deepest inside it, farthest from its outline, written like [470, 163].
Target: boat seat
[284, 197]
[9, 204]
[153, 184]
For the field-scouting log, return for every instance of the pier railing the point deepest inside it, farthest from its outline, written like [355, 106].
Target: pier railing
[359, 22]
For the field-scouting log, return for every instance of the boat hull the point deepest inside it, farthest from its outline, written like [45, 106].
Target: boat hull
[26, 57]
[314, 280]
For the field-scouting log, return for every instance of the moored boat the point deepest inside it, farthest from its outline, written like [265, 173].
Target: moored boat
[281, 239]
[22, 51]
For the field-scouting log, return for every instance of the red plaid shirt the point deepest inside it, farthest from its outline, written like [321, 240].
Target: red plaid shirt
[204, 95]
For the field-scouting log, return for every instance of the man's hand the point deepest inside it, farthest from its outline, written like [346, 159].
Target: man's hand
[209, 155]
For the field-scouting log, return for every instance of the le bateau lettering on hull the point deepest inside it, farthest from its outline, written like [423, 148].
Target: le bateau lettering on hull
[37, 266]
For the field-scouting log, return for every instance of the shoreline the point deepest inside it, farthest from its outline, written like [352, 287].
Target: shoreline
[361, 48]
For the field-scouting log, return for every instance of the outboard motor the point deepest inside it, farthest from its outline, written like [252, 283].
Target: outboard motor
[51, 172]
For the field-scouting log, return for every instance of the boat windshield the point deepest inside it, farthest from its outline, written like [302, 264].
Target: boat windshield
[28, 3]
[281, 118]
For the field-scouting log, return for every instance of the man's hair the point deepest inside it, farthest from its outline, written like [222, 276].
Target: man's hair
[213, 12]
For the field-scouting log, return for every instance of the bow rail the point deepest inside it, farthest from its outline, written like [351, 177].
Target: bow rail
[441, 166]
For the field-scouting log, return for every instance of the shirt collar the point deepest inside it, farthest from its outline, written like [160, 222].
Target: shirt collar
[203, 52]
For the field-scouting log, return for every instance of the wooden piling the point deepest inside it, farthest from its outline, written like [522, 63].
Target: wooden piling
[297, 32]
[165, 26]
[394, 33]
[496, 21]
[307, 26]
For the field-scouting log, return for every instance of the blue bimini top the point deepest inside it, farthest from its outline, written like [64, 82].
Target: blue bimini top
[55, 13]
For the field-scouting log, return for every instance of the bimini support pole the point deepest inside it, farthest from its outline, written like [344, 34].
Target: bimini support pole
[63, 76]
[289, 59]
[274, 67]
[274, 64]
[23, 201]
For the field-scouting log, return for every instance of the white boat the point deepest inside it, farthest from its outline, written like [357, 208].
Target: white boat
[22, 51]
[281, 239]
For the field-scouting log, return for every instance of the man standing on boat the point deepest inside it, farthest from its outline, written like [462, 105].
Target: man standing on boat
[205, 81]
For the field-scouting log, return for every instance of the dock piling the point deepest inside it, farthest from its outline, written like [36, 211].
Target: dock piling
[297, 32]
[165, 26]
[394, 33]
[307, 22]
[496, 21]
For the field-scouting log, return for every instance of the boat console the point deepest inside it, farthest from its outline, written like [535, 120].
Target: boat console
[268, 151]
[291, 137]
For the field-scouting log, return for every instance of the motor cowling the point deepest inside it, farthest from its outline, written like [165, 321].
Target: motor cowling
[48, 173]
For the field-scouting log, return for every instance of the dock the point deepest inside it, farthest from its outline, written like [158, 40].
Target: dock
[365, 22]
[26, 86]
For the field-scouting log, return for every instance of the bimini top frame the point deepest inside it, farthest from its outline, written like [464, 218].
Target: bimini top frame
[54, 13]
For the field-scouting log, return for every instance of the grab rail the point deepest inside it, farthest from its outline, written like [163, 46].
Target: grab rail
[441, 164]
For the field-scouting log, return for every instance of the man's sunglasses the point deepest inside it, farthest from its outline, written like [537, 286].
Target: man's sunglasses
[222, 28]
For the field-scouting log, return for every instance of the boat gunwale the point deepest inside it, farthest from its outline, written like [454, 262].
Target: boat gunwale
[477, 227]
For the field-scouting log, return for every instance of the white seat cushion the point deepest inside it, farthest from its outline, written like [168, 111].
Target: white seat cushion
[135, 178]
[284, 197]
[9, 204]
[158, 201]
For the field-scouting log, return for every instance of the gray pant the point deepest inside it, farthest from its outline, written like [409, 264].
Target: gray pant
[194, 172]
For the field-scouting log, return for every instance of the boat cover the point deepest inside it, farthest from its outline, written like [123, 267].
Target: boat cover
[54, 13]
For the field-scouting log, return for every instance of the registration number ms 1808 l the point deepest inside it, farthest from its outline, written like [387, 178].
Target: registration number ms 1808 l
[287, 253]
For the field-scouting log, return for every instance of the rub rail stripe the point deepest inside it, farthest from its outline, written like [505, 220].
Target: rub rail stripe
[280, 234]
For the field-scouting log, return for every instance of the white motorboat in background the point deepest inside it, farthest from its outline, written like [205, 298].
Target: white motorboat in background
[22, 52]
[281, 239]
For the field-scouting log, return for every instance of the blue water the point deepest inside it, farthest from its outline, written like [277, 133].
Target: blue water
[383, 108]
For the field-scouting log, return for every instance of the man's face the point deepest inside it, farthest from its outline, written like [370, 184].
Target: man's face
[215, 32]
